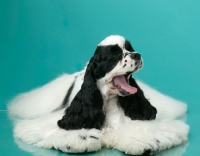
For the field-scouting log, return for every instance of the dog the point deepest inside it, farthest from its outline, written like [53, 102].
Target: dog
[101, 106]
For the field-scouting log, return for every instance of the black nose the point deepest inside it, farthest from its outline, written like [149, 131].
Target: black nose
[136, 56]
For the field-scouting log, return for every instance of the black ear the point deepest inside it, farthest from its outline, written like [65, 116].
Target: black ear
[136, 106]
[128, 46]
[85, 110]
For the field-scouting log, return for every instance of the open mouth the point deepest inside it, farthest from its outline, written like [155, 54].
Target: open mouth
[120, 82]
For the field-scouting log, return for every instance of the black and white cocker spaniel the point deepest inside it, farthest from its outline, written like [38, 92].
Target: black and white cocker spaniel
[101, 106]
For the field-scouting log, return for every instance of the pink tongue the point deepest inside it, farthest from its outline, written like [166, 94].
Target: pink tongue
[121, 82]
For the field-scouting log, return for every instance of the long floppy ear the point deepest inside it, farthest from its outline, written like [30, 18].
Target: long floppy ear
[85, 110]
[136, 106]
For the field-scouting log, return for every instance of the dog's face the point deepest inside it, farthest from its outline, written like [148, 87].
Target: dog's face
[115, 61]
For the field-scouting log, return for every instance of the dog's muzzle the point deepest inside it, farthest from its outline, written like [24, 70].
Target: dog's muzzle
[134, 56]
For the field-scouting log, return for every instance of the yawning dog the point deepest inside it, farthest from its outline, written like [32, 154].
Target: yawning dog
[101, 106]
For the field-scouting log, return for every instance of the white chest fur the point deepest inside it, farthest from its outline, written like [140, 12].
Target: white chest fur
[114, 114]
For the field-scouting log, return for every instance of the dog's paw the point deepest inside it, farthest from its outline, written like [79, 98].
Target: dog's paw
[78, 141]
[146, 137]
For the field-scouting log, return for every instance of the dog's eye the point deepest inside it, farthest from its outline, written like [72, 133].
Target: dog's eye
[116, 55]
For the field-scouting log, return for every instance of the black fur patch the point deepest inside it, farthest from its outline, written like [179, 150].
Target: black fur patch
[68, 147]
[146, 153]
[66, 99]
[94, 137]
[128, 46]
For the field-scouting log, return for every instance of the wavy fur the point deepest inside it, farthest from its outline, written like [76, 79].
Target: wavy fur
[85, 110]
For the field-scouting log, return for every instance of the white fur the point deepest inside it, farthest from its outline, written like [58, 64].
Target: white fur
[119, 132]
[38, 126]
[44, 132]
[134, 137]
[42, 100]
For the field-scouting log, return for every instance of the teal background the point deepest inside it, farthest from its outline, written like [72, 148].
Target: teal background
[40, 39]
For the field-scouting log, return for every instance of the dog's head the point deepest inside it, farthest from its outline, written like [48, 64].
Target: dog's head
[113, 62]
